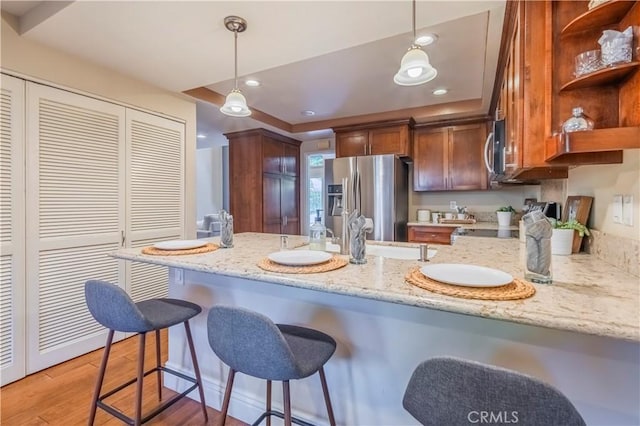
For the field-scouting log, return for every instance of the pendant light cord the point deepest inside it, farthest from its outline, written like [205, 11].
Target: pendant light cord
[414, 22]
[235, 55]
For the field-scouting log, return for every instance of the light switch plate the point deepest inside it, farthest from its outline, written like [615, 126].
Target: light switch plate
[617, 208]
[453, 205]
[627, 210]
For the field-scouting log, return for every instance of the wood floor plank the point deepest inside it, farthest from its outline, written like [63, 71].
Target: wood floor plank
[61, 395]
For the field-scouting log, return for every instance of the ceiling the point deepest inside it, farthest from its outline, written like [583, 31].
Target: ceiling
[336, 58]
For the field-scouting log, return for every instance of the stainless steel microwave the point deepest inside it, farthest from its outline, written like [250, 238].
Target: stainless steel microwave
[494, 151]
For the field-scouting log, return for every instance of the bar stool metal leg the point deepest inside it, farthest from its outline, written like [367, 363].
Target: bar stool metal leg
[287, 403]
[103, 369]
[196, 370]
[158, 365]
[138, 417]
[227, 397]
[327, 400]
[268, 402]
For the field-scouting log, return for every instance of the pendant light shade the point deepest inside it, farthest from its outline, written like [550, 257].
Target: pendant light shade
[235, 104]
[415, 67]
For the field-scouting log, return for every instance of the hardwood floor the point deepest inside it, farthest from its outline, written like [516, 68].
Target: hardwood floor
[61, 395]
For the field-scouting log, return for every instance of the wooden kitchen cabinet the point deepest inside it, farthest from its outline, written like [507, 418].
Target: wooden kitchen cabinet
[388, 137]
[525, 92]
[431, 234]
[610, 96]
[450, 158]
[264, 188]
[539, 89]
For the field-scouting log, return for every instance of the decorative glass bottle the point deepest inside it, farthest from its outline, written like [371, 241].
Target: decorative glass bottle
[577, 122]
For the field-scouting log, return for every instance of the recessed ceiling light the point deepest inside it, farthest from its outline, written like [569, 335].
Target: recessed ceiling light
[201, 136]
[426, 39]
[440, 92]
[308, 113]
[252, 83]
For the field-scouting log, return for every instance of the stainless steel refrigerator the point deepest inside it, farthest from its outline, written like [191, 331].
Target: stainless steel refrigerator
[376, 185]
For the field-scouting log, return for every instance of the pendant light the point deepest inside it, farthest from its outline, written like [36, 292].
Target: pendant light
[415, 68]
[235, 104]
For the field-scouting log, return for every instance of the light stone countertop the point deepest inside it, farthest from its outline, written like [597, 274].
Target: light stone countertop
[587, 294]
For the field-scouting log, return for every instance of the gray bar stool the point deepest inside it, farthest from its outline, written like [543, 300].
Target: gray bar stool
[113, 308]
[451, 391]
[250, 343]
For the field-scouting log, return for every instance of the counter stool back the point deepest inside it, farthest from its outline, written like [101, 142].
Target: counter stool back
[453, 391]
[250, 343]
[112, 307]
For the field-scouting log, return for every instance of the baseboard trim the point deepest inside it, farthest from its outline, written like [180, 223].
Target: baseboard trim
[244, 406]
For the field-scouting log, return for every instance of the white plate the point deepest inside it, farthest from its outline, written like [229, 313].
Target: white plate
[299, 257]
[466, 275]
[180, 244]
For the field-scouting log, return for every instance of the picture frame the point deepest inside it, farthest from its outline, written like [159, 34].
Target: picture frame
[577, 208]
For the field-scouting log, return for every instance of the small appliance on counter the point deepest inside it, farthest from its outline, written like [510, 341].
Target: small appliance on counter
[549, 208]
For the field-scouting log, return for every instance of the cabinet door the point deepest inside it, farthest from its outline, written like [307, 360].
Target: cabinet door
[430, 160]
[289, 205]
[351, 144]
[389, 140]
[513, 102]
[12, 231]
[155, 191]
[245, 184]
[466, 159]
[272, 156]
[290, 161]
[75, 211]
[272, 212]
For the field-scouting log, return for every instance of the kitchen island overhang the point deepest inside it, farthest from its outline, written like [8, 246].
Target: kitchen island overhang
[380, 343]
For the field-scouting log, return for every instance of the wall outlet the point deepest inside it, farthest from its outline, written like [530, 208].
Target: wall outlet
[453, 205]
[627, 210]
[178, 276]
[617, 208]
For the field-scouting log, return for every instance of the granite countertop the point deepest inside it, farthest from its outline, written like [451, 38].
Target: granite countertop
[587, 294]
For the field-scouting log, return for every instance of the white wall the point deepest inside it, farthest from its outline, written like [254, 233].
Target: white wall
[208, 181]
[475, 201]
[603, 182]
[33, 60]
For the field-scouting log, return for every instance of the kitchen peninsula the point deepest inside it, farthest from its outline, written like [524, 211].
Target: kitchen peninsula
[581, 334]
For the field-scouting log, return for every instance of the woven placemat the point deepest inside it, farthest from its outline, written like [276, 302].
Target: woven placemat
[334, 263]
[199, 250]
[517, 289]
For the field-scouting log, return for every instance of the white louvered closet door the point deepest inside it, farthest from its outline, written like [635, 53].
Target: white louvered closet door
[155, 195]
[12, 256]
[75, 217]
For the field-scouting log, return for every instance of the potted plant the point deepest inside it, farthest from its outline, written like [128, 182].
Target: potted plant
[562, 237]
[504, 216]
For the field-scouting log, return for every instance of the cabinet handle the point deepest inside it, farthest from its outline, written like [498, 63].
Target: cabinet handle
[122, 238]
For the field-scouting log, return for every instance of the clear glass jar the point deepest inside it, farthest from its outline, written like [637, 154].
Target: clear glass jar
[577, 122]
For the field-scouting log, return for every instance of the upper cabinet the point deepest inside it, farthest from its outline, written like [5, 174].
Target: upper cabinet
[388, 137]
[610, 96]
[524, 99]
[539, 88]
[449, 158]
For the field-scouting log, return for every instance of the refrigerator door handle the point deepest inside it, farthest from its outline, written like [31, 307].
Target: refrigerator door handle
[359, 193]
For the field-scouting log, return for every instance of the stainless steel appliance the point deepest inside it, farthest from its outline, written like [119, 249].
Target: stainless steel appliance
[376, 185]
[495, 151]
